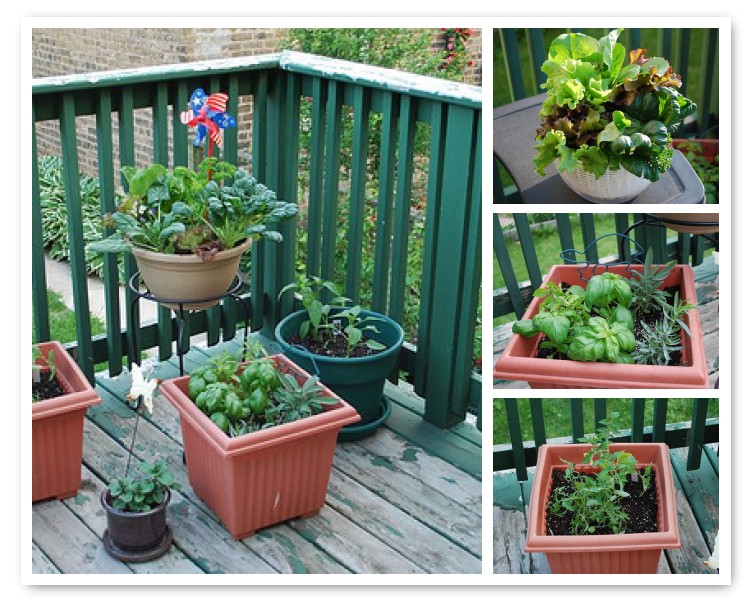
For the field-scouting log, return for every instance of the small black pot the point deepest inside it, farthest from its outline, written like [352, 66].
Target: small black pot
[136, 536]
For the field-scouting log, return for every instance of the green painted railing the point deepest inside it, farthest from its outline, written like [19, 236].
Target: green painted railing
[440, 364]
[693, 53]
[521, 454]
[666, 244]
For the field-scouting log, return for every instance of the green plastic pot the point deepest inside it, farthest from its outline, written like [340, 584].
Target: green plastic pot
[359, 381]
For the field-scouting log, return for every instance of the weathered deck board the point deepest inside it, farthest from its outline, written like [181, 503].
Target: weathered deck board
[392, 506]
[697, 514]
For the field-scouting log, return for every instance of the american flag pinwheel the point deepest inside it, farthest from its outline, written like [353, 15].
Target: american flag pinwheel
[209, 117]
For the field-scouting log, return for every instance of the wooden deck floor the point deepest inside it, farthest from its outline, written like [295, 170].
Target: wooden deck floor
[394, 505]
[697, 494]
[707, 289]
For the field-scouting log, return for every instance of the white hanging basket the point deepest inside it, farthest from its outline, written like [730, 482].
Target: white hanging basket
[611, 188]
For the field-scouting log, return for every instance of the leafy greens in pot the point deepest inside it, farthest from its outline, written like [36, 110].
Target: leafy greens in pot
[606, 108]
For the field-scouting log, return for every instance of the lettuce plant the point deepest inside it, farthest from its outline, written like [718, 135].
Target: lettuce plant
[607, 108]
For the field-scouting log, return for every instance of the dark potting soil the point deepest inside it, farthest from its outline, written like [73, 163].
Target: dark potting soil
[650, 319]
[334, 347]
[640, 507]
[46, 388]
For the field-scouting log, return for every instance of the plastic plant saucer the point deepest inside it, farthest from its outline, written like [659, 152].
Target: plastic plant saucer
[130, 556]
[350, 433]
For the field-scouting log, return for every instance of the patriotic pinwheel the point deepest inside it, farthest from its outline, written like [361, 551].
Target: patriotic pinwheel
[209, 117]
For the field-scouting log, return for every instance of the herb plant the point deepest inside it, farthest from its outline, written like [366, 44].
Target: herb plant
[244, 397]
[143, 493]
[645, 285]
[606, 108]
[595, 498]
[182, 211]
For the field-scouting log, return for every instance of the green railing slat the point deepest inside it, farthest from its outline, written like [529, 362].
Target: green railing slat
[660, 419]
[386, 182]
[708, 52]
[537, 421]
[358, 191]
[402, 213]
[589, 237]
[127, 157]
[621, 224]
[451, 255]
[697, 433]
[68, 140]
[516, 439]
[564, 231]
[683, 35]
[600, 411]
[577, 428]
[506, 267]
[638, 419]
[527, 247]
[105, 161]
[260, 158]
[683, 248]
[512, 63]
[38, 270]
[538, 54]
[697, 249]
[331, 187]
[317, 158]
[431, 241]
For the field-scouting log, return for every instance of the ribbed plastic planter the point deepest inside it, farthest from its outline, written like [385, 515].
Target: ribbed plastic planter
[264, 477]
[359, 381]
[620, 553]
[57, 430]
[518, 361]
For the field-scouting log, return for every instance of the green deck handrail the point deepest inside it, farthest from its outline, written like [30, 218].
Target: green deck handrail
[440, 364]
[521, 454]
[516, 295]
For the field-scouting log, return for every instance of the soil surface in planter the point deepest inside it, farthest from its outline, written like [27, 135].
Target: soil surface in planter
[651, 320]
[335, 347]
[641, 507]
[48, 387]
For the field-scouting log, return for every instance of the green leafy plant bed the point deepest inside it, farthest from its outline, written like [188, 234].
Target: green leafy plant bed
[641, 320]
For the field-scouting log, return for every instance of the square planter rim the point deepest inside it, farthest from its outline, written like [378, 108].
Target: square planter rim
[335, 415]
[515, 364]
[667, 537]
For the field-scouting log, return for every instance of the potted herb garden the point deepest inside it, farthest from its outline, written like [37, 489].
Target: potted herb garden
[189, 229]
[136, 506]
[353, 350]
[259, 438]
[61, 394]
[609, 116]
[631, 326]
[603, 507]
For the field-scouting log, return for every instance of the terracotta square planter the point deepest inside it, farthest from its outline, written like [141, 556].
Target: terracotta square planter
[519, 362]
[57, 430]
[621, 553]
[264, 477]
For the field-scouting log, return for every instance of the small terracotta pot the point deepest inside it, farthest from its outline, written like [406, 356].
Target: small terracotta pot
[136, 536]
[613, 553]
[519, 362]
[264, 477]
[57, 430]
[187, 278]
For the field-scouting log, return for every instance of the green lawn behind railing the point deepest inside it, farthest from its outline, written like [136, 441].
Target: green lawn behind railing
[557, 415]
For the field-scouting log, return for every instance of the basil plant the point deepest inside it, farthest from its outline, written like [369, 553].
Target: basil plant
[607, 108]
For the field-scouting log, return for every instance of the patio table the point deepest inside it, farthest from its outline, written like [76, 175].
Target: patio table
[514, 130]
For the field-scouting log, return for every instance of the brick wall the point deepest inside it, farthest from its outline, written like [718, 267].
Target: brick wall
[69, 51]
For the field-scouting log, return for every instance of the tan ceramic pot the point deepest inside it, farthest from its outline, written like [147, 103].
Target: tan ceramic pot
[614, 553]
[188, 279]
[685, 222]
[263, 477]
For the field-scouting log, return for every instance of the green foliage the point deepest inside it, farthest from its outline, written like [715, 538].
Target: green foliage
[596, 498]
[143, 493]
[182, 211]
[659, 342]
[328, 320]
[645, 285]
[244, 397]
[707, 170]
[603, 113]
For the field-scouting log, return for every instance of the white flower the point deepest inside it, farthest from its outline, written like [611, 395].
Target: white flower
[713, 561]
[142, 387]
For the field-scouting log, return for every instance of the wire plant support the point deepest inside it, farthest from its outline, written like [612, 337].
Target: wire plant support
[181, 313]
[570, 256]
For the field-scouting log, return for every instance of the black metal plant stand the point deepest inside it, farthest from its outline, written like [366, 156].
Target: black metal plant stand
[661, 221]
[182, 313]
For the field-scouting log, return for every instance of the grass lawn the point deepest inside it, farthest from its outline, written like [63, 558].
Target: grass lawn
[62, 320]
[557, 415]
